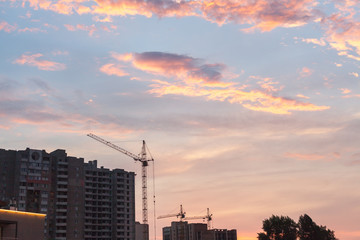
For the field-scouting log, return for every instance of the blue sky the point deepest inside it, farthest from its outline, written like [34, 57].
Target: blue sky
[250, 108]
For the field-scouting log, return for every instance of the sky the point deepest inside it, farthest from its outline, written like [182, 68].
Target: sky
[250, 108]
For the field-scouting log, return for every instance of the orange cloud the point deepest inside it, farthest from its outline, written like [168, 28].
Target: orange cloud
[112, 69]
[345, 90]
[308, 157]
[313, 156]
[253, 100]
[127, 57]
[302, 96]
[32, 60]
[267, 84]
[343, 31]
[4, 26]
[194, 78]
[355, 74]
[145, 8]
[320, 42]
[259, 14]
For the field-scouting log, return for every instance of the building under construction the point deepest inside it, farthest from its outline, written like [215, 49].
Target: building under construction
[182, 230]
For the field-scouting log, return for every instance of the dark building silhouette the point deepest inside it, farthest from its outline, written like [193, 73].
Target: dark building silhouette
[80, 200]
[196, 231]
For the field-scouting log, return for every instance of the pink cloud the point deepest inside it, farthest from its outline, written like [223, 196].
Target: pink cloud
[4, 26]
[262, 14]
[306, 72]
[183, 67]
[343, 34]
[90, 29]
[33, 60]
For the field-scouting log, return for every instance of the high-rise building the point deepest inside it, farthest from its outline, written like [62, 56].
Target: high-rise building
[81, 200]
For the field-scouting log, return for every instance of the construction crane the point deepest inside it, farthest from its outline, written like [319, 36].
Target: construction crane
[208, 218]
[180, 215]
[144, 163]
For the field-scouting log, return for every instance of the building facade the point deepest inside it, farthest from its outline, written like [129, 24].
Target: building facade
[80, 200]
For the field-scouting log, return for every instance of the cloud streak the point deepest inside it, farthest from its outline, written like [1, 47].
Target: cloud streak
[5, 26]
[33, 60]
[90, 29]
[192, 77]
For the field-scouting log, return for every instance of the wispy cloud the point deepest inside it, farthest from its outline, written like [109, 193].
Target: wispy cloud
[343, 34]
[32, 30]
[313, 156]
[192, 77]
[90, 29]
[355, 74]
[52, 112]
[33, 60]
[320, 42]
[5, 26]
[113, 69]
[305, 72]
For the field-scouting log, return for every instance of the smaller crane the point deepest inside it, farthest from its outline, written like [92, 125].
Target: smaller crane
[208, 218]
[180, 215]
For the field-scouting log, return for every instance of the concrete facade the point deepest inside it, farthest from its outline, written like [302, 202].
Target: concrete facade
[141, 231]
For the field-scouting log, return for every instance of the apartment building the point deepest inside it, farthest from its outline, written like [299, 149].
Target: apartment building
[80, 200]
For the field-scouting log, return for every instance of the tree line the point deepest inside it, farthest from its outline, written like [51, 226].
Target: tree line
[285, 228]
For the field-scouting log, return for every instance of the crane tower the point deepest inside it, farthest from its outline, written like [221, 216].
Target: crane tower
[142, 158]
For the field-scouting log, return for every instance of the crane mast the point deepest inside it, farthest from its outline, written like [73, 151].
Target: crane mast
[144, 163]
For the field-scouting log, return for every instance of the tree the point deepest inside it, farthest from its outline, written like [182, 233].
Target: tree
[309, 230]
[284, 228]
[278, 228]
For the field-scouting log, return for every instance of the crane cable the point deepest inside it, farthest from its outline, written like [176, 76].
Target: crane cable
[153, 191]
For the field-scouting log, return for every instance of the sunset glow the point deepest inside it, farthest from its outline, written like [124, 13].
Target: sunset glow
[249, 108]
